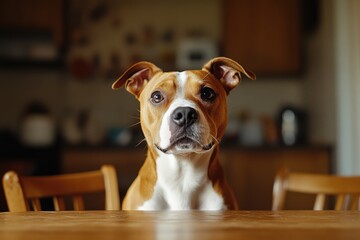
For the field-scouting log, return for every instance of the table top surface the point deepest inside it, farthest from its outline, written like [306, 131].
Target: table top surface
[181, 225]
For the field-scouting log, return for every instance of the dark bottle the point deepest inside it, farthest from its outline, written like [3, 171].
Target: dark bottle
[292, 126]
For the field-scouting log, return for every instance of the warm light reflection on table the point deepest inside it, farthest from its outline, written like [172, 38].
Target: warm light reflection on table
[181, 225]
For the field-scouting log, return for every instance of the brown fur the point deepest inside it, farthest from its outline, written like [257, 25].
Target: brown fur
[142, 79]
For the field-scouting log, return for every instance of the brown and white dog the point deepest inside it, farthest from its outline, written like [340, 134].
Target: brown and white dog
[183, 116]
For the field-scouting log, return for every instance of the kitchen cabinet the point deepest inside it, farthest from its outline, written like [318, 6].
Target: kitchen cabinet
[263, 35]
[34, 15]
[250, 171]
[32, 33]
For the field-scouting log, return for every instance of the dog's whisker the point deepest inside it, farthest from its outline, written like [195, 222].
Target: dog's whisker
[215, 139]
[135, 117]
[141, 141]
[135, 124]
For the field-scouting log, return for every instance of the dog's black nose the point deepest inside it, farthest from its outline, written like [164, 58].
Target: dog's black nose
[184, 116]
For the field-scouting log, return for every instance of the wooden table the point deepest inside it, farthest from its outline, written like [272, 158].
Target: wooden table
[181, 225]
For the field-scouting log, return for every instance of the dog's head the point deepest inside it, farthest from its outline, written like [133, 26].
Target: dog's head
[183, 112]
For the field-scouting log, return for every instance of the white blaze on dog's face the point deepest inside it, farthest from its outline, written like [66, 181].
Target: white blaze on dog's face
[185, 111]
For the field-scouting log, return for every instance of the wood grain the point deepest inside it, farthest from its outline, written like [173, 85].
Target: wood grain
[342, 188]
[21, 189]
[264, 35]
[181, 225]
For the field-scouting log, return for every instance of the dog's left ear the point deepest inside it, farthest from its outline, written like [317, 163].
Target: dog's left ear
[136, 77]
[227, 71]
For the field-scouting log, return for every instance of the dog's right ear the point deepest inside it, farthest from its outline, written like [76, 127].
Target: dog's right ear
[227, 71]
[136, 77]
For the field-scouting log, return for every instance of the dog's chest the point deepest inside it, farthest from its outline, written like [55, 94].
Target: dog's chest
[183, 184]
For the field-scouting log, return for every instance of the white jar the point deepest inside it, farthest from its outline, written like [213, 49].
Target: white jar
[38, 130]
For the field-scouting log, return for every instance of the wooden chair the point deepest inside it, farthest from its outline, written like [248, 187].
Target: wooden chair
[346, 190]
[22, 190]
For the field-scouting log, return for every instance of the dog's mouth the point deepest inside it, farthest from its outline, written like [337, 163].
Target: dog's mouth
[186, 145]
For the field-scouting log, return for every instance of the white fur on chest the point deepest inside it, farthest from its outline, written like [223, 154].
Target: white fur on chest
[183, 184]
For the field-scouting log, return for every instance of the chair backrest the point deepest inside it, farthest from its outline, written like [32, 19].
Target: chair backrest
[21, 192]
[346, 190]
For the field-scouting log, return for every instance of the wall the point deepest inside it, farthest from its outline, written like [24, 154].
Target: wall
[347, 46]
[18, 88]
[319, 80]
[137, 29]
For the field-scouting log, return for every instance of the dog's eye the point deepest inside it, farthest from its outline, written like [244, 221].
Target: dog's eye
[207, 94]
[156, 97]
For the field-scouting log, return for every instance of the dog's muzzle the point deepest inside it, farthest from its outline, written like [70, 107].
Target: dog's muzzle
[185, 133]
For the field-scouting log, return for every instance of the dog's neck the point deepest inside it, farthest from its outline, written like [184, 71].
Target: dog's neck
[186, 166]
[181, 180]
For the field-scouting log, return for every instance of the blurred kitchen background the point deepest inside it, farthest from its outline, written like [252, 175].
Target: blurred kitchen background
[59, 58]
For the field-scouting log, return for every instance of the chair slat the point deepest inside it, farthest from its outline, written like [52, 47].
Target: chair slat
[355, 201]
[78, 203]
[35, 203]
[319, 202]
[59, 203]
[340, 200]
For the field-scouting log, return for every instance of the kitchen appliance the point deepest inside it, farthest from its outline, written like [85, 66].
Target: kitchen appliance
[292, 126]
[192, 53]
[38, 128]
